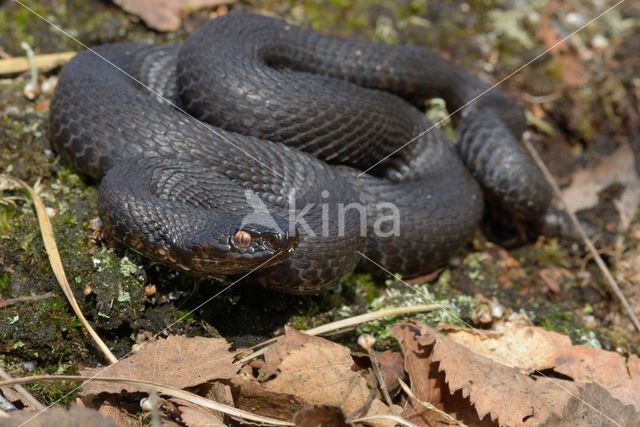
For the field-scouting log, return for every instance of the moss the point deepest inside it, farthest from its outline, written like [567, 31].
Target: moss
[304, 322]
[363, 285]
[557, 319]
[48, 327]
[454, 309]
[552, 253]
[43, 331]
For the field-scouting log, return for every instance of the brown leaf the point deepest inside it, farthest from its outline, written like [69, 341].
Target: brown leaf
[196, 416]
[427, 383]
[117, 415]
[176, 361]
[319, 371]
[501, 393]
[57, 417]
[565, 53]
[253, 398]
[606, 368]
[291, 340]
[579, 410]
[518, 345]
[321, 416]
[530, 348]
[553, 277]
[166, 15]
[587, 183]
[392, 367]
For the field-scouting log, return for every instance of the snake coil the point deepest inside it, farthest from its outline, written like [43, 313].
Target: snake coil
[265, 171]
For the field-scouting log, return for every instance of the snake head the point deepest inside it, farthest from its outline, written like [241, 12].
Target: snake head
[237, 247]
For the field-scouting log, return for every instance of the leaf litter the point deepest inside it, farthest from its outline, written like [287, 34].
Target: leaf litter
[513, 375]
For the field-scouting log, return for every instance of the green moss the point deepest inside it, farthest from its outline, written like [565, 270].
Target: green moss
[556, 319]
[552, 253]
[5, 282]
[304, 322]
[454, 310]
[363, 285]
[46, 328]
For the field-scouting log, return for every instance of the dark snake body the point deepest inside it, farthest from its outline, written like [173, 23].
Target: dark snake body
[276, 104]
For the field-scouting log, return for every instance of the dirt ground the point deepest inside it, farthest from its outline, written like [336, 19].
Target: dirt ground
[582, 99]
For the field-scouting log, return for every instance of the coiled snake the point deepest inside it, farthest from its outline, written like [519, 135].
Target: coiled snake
[264, 172]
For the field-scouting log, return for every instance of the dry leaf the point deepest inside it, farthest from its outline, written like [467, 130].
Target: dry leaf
[253, 398]
[319, 371]
[553, 277]
[531, 348]
[176, 361]
[501, 393]
[518, 345]
[587, 183]
[291, 340]
[392, 367]
[166, 15]
[117, 415]
[606, 368]
[195, 416]
[565, 53]
[57, 417]
[321, 416]
[428, 385]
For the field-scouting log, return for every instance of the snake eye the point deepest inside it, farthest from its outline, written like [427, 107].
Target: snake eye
[242, 239]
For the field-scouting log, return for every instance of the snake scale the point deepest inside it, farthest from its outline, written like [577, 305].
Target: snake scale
[243, 150]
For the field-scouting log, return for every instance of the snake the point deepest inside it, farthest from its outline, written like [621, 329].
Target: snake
[264, 148]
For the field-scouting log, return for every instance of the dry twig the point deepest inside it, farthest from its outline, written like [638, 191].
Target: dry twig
[11, 301]
[41, 62]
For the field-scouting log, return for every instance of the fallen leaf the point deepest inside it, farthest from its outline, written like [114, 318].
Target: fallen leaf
[176, 361]
[553, 277]
[565, 53]
[291, 340]
[517, 345]
[117, 415]
[196, 416]
[606, 368]
[530, 349]
[501, 393]
[428, 385]
[618, 167]
[392, 367]
[321, 416]
[57, 417]
[320, 372]
[166, 15]
[251, 397]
